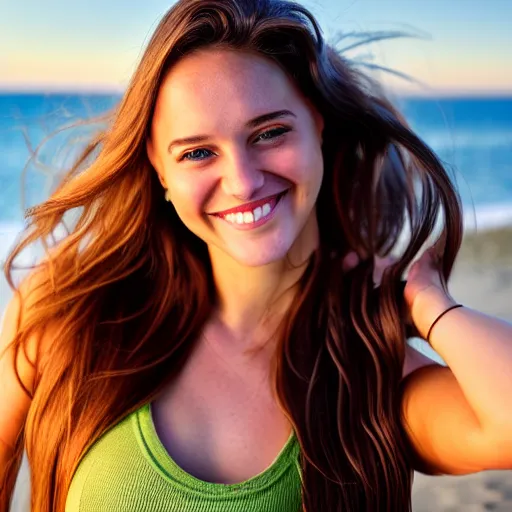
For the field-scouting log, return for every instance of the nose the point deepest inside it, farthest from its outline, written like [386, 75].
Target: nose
[241, 177]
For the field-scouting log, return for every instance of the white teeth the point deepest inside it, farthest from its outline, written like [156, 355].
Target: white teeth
[257, 214]
[249, 217]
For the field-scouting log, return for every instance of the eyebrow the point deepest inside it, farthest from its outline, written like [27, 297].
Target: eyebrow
[253, 123]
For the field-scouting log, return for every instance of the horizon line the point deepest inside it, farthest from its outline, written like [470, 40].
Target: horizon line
[119, 91]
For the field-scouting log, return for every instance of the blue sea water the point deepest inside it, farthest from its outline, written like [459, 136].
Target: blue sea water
[473, 136]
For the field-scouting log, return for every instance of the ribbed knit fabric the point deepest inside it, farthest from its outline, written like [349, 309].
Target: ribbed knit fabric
[129, 470]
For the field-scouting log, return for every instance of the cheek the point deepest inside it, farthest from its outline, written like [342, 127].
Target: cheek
[188, 195]
[314, 162]
[301, 164]
[307, 171]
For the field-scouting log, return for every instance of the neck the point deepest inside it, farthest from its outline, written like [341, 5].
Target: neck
[249, 297]
[253, 300]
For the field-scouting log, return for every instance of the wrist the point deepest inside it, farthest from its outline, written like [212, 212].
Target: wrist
[428, 306]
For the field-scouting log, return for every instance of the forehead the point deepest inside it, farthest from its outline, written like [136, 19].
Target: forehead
[223, 88]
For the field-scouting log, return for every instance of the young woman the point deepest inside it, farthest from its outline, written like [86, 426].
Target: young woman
[208, 337]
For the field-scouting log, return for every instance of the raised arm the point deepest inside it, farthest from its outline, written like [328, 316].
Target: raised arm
[459, 418]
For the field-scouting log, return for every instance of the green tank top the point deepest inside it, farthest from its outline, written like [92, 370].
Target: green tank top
[129, 470]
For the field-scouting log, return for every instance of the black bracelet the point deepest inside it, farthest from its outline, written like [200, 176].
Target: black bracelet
[440, 316]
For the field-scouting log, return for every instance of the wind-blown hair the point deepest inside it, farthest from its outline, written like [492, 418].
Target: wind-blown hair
[130, 288]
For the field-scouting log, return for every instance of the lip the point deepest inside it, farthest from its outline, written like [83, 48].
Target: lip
[264, 220]
[246, 207]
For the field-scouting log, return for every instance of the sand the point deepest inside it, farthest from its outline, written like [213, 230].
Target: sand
[483, 280]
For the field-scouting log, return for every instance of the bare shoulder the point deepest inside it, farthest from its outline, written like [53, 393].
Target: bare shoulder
[17, 367]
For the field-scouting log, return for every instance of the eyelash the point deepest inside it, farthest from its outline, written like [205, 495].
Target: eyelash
[278, 131]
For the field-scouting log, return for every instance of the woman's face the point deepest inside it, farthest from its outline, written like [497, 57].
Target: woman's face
[239, 149]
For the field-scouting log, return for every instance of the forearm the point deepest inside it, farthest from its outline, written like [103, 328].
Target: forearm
[478, 350]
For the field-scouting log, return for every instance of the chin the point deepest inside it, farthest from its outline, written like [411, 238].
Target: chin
[260, 256]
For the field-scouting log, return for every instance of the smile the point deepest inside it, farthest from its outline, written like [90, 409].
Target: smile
[254, 213]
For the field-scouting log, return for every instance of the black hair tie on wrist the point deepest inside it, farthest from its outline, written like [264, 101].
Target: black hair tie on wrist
[439, 317]
[410, 329]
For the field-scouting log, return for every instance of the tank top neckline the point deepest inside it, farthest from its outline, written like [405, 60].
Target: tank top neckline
[156, 453]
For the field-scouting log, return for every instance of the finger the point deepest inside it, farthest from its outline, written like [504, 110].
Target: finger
[380, 266]
[383, 263]
[350, 261]
[439, 245]
[434, 257]
[426, 265]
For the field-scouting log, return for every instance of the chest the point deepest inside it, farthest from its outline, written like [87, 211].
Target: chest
[219, 420]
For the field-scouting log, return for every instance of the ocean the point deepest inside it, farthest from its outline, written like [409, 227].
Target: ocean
[473, 137]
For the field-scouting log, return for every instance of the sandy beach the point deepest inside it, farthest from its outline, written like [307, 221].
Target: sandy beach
[483, 280]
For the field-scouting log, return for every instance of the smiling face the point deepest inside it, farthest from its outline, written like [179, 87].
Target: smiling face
[238, 148]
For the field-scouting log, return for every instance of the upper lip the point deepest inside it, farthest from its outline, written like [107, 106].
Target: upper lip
[248, 206]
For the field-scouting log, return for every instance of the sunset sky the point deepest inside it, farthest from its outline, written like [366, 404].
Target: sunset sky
[465, 45]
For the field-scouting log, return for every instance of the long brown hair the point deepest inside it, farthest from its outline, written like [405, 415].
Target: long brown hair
[130, 288]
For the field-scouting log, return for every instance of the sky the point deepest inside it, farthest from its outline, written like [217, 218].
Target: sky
[460, 46]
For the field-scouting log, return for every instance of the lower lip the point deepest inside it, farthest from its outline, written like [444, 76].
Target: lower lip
[260, 222]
